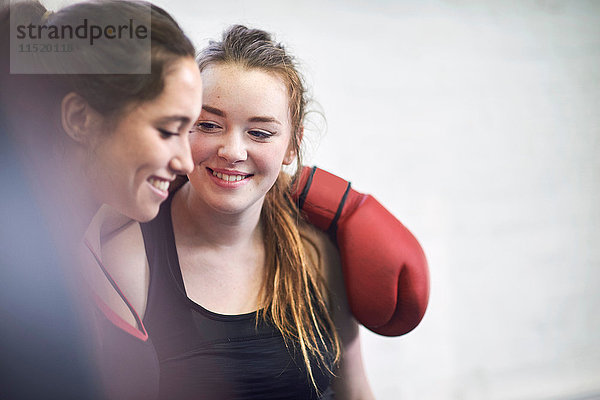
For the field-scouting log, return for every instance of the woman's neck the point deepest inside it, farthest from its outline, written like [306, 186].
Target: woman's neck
[221, 255]
[105, 224]
[67, 203]
[199, 223]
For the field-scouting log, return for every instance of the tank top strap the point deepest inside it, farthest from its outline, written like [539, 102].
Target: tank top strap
[140, 331]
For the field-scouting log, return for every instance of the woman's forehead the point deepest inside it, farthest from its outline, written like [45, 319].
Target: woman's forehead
[232, 88]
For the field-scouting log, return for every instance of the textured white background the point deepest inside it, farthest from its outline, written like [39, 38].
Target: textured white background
[478, 124]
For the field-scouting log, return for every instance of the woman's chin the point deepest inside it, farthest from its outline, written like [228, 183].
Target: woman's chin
[143, 213]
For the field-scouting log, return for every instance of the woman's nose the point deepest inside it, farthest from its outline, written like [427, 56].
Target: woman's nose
[232, 148]
[182, 162]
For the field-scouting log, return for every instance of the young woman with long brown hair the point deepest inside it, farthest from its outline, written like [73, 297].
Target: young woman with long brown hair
[246, 301]
[87, 135]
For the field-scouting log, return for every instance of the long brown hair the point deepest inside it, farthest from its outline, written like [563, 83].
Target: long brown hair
[294, 292]
[31, 103]
[110, 94]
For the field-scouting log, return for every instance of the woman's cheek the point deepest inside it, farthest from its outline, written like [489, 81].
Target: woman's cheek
[199, 147]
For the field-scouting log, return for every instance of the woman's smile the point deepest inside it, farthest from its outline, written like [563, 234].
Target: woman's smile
[160, 185]
[228, 179]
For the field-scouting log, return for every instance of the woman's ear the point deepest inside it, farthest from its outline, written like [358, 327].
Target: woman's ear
[291, 151]
[289, 156]
[79, 119]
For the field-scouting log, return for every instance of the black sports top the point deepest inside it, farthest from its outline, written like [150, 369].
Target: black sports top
[127, 361]
[205, 355]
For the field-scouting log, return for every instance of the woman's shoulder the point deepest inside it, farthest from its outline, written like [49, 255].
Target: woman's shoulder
[316, 242]
[323, 253]
[320, 247]
[119, 245]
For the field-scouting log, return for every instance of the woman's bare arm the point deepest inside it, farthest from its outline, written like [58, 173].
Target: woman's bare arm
[351, 381]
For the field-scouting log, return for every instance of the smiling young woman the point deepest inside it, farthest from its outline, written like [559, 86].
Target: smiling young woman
[91, 139]
[241, 140]
[138, 155]
[247, 300]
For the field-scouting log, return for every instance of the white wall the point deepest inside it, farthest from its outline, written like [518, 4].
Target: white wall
[477, 123]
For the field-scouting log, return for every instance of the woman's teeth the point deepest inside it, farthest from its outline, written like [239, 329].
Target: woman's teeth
[229, 178]
[159, 184]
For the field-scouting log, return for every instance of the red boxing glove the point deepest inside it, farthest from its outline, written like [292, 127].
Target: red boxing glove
[385, 270]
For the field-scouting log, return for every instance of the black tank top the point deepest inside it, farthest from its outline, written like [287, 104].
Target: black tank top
[205, 355]
[126, 360]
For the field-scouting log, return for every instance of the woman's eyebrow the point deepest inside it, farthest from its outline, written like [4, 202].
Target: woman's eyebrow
[175, 118]
[221, 113]
[214, 110]
[265, 119]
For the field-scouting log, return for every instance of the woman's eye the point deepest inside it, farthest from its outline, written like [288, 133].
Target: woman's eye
[165, 134]
[259, 134]
[208, 127]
